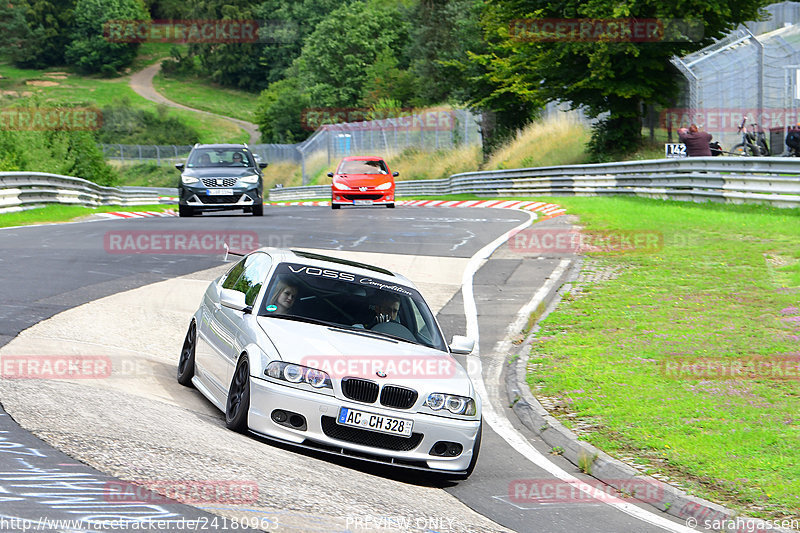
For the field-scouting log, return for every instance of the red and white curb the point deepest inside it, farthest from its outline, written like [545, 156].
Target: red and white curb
[138, 214]
[550, 210]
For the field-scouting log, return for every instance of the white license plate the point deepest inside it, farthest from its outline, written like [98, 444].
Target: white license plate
[373, 422]
[362, 202]
[220, 192]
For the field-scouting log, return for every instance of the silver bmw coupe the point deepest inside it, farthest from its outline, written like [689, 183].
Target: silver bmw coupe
[337, 356]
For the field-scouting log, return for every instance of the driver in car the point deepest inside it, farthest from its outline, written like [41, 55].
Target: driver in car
[387, 309]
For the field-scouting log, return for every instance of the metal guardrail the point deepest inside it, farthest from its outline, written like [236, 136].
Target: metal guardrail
[774, 181]
[26, 189]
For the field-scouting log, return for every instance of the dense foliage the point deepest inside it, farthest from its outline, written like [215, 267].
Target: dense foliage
[410, 53]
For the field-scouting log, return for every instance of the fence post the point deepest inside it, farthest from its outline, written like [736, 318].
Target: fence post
[158, 156]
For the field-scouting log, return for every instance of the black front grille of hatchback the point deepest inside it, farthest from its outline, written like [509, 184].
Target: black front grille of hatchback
[373, 439]
[219, 182]
[398, 397]
[360, 390]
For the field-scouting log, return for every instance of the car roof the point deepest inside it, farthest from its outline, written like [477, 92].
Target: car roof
[362, 158]
[316, 259]
[223, 146]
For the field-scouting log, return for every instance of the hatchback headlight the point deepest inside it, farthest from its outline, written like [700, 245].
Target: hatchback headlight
[298, 374]
[458, 405]
[384, 186]
[339, 185]
[249, 179]
[188, 180]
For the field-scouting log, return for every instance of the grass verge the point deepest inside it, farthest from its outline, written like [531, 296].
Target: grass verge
[60, 86]
[197, 94]
[725, 286]
[67, 213]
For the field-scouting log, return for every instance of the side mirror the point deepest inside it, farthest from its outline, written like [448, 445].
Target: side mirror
[263, 165]
[330, 174]
[232, 299]
[180, 166]
[395, 174]
[461, 345]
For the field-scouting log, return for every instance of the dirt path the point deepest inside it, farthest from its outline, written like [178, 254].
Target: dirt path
[142, 83]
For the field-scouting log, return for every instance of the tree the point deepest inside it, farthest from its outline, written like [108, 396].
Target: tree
[288, 24]
[335, 58]
[441, 34]
[34, 33]
[601, 73]
[279, 114]
[93, 52]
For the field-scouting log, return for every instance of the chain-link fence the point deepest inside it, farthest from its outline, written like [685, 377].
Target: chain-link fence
[430, 130]
[753, 72]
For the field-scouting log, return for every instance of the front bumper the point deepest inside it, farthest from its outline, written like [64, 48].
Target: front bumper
[321, 410]
[202, 198]
[368, 197]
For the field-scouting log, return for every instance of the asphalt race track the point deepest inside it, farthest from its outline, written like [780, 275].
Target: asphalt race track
[74, 289]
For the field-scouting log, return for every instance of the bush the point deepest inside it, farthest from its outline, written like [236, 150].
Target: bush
[123, 124]
[279, 112]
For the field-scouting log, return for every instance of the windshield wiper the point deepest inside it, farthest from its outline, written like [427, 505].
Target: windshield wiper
[363, 333]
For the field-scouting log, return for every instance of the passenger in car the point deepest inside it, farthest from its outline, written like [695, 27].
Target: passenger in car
[283, 298]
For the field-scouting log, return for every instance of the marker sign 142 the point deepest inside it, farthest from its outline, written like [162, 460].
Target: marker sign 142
[674, 150]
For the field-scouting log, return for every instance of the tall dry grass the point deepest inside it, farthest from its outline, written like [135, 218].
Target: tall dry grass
[557, 140]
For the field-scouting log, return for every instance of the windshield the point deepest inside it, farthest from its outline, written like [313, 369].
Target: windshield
[229, 157]
[362, 167]
[352, 301]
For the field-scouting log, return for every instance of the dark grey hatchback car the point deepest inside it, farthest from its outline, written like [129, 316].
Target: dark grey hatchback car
[216, 177]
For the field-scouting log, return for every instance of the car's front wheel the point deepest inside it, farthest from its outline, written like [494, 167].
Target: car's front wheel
[186, 360]
[238, 403]
[335, 206]
[185, 211]
[258, 210]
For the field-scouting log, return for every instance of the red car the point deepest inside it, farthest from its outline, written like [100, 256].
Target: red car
[362, 181]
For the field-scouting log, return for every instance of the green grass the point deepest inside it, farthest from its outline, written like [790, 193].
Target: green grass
[67, 213]
[726, 284]
[195, 93]
[101, 92]
[148, 175]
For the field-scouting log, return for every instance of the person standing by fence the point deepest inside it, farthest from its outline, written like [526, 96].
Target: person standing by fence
[696, 141]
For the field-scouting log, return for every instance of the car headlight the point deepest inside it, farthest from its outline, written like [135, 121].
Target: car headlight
[249, 179]
[384, 186]
[298, 374]
[458, 405]
[188, 180]
[339, 185]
